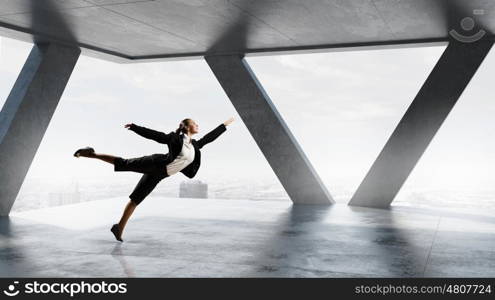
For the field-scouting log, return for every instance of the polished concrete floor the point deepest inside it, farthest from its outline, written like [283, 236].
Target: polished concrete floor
[235, 238]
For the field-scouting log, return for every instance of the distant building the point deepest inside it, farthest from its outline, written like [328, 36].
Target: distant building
[193, 189]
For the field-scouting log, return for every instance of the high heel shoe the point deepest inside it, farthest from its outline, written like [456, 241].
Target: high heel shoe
[116, 232]
[84, 152]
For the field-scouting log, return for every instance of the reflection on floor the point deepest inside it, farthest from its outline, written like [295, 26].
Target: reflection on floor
[170, 237]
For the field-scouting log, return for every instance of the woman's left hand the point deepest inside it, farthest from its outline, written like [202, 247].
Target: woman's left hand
[226, 123]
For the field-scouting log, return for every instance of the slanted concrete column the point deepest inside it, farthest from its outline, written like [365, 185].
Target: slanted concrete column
[27, 112]
[269, 130]
[418, 126]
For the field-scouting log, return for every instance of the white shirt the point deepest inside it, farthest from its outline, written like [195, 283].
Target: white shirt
[185, 157]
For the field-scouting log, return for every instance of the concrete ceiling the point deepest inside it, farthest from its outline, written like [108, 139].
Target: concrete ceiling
[135, 30]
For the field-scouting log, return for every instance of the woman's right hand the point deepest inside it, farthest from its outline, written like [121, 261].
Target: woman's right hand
[226, 123]
[128, 125]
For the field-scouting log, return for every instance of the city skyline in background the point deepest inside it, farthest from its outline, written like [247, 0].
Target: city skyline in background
[341, 115]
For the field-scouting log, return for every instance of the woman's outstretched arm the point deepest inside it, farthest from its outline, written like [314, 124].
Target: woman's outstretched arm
[151, 134]
[212, 135]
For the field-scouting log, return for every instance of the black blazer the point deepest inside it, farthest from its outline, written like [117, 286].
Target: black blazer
[174, 142]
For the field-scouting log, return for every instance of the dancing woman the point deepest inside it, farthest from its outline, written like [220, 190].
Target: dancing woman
[184, 156]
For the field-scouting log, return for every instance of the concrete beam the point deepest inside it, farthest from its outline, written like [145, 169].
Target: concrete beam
[418, 126]
[27, 112]
[269, 130]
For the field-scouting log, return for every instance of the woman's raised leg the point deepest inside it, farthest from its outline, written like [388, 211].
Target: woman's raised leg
[104, 157]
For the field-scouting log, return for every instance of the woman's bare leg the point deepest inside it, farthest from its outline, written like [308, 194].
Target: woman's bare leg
[104, 157]
[129, 209]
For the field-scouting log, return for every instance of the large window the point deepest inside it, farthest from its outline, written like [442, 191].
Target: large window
[101, 97]
[456, 172]
[343, 106]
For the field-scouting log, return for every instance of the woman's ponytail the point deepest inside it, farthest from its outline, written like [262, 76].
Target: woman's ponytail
[182, 126]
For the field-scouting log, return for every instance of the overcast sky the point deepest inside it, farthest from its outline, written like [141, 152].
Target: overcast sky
[341, 107]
